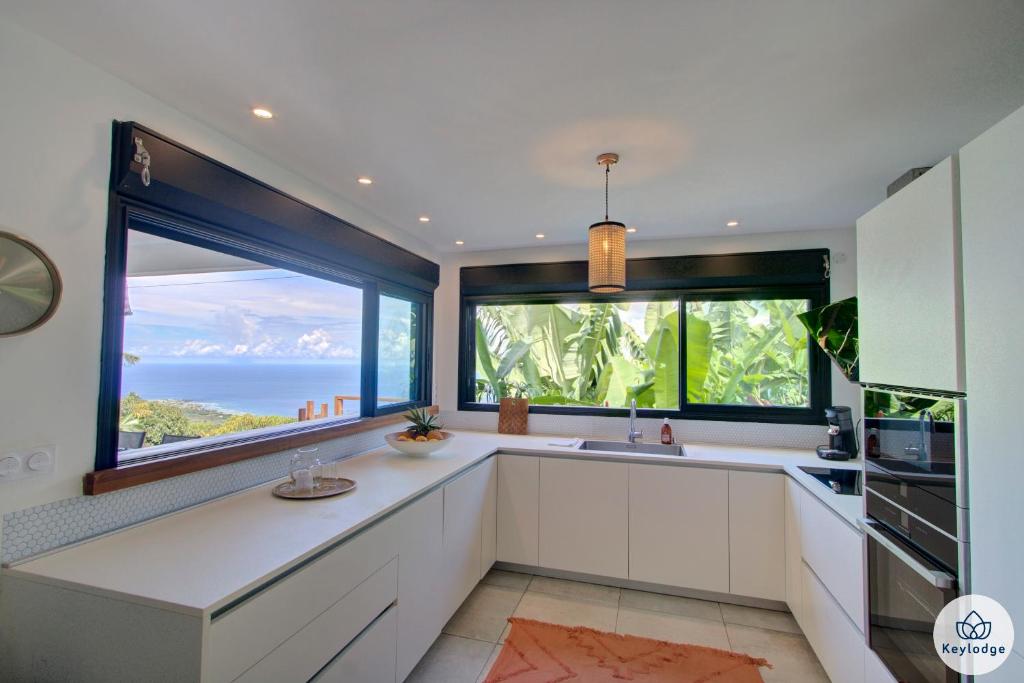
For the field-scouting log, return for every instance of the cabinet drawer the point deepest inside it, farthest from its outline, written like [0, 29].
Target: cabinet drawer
[835, 552]
[370, 658]
[837, 642]
[306, 652]
[246, 634]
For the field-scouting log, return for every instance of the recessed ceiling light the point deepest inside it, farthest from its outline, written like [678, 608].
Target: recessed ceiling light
[424, 219]
[540, 235]
[364, 180]
[630, 230]
[261, 113]
[459, 243]
[732, 224]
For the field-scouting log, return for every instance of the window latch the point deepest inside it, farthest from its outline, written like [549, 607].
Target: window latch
[142, 157]
[826, 262]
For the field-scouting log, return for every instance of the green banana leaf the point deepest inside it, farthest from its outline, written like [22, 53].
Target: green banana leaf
[834, 328]
[698, 358]
[663, 351]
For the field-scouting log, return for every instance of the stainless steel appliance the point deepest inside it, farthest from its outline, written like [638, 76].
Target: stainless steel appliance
[915, 498]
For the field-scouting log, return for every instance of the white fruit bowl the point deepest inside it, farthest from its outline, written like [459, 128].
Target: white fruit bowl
[418, 449]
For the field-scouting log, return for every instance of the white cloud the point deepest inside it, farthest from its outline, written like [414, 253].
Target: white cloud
[198, 347]
[318, 343]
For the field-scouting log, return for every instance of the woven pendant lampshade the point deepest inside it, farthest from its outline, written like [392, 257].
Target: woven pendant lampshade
[607, 257]
[607, 253]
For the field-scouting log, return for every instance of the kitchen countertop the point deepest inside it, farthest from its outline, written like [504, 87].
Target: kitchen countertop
[202, 558]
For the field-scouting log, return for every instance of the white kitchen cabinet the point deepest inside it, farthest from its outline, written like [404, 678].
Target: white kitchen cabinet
[464, 501]
[991, 173]
[834, 550]
[421, 561]
[874, 670]
[317, 644]
[757, 534]
[584, 513]
[261, 624]
[794, 560]
[518, 509]
[370, 658]
[908, 285]
[838, 644]
[489, 518]
[679, 526]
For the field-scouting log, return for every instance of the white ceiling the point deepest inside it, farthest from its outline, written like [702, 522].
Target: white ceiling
[786, 115]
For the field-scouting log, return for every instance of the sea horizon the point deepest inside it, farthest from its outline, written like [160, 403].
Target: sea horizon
[279, 387]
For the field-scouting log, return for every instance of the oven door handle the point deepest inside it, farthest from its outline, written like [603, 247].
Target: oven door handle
[936, 577]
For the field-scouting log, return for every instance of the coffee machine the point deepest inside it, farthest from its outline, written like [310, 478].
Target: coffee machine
[842, 440]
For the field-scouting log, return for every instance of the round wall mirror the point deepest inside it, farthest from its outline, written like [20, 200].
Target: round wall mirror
[29, 285]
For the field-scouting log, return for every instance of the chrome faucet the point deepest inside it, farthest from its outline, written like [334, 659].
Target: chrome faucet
[634, 434]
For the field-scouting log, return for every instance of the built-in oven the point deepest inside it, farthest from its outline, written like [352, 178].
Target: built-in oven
[915, 501]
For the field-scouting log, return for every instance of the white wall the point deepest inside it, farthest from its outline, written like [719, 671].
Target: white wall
[844, 284]
[992, 217]
[54, 167]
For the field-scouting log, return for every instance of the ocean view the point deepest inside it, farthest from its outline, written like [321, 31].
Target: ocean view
[260, 388]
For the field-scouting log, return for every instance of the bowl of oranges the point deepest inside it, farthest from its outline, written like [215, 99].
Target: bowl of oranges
[423, 437]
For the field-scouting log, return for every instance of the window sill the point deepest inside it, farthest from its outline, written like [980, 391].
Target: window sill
[129, 474]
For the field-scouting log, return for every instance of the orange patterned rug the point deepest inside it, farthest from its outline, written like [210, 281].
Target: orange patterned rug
[536, 652]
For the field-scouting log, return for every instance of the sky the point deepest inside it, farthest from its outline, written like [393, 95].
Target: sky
[245, 315]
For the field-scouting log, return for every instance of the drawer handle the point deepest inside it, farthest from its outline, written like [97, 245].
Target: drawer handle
[935, 577]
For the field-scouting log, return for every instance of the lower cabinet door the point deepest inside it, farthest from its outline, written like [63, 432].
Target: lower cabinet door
[877, 672]
[489, 518]
[837, 642]
[584, 516]
[757, 534]
[370, 658]
[420, 566]
[464, 501]
[679, 526]
[794, 563]
[518, 506]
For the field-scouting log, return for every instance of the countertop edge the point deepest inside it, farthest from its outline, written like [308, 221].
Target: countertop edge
[503, 444]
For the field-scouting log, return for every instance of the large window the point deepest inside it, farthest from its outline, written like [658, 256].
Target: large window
[217, 345]
[239, 321]
[697, 337]
[747, 352]
[221, 346]
[579, 354]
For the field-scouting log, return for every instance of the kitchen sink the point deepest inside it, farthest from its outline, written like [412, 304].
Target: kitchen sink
[627, 447]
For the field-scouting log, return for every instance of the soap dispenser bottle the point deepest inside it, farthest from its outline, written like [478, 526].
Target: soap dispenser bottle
[666, 433]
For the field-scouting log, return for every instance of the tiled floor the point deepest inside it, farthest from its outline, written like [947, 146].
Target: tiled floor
[472, 639]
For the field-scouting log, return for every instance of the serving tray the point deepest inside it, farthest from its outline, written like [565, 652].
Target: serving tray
[329, 486]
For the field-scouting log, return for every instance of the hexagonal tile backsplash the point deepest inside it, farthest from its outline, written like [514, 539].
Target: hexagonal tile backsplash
[45, 527]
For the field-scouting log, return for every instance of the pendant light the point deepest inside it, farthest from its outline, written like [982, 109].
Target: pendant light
[607, 243]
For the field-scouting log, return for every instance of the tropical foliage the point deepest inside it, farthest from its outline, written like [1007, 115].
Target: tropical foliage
[182, 418]
[884, 404]
[747, 353]
[834, 328]
[607, 354]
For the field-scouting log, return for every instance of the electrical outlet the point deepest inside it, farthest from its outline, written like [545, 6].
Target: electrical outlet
[31, 462]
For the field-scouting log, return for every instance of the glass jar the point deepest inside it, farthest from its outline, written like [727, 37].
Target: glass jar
[305, 469]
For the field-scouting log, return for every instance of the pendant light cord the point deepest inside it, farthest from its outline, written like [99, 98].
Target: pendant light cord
[607, 170]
